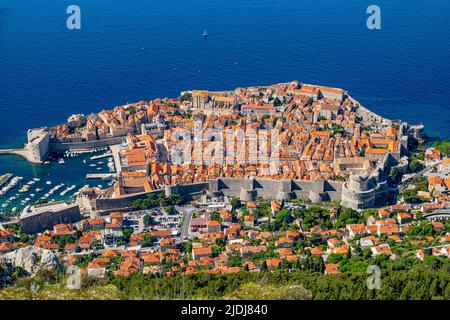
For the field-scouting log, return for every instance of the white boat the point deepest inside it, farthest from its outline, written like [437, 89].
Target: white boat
[61, 161]
[36, 179]
[48, 182]
[205, 34]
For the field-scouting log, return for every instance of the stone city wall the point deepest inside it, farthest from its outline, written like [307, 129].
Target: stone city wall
[57, 146]
[249, 189]
[45, 220]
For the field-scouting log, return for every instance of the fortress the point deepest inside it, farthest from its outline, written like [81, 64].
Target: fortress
[35, 219]
[359, 193]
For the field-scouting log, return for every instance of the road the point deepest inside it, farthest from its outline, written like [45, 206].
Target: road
[421, 172]
[187, 212]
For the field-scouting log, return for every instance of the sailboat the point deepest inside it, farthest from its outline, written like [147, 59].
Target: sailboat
[205, 34]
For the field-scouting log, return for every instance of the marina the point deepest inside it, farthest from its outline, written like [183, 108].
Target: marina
[52, 181]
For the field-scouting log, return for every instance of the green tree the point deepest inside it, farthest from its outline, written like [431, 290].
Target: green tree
[415, 165]
[263, 266]
[443, 146]
[126, 234]
[215, 216]
[170, 209]
[395, 174]
[148, 220]
[186, 96]
[235, 203]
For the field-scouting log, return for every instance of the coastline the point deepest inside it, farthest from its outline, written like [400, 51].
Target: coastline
[42, 144]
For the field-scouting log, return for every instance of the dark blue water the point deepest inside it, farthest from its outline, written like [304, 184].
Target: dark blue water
[141, 49]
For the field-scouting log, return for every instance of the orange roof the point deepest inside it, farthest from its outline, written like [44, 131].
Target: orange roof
[316, 251]
[404, 215]
[213, 223]
[4, 233]
[332, 268]
[275, 205]
[6, 246]
[201, 251]
[384, 213]
[273, 263]
[251, 204]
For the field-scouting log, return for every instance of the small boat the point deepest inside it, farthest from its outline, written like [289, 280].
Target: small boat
[61, 161]
[36, 179]
[48, 182]
[205, 34]
[25, 188]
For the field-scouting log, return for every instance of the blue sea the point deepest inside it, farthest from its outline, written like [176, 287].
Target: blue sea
[135, 50]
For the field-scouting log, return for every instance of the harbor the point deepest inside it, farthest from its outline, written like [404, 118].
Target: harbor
[23, 183]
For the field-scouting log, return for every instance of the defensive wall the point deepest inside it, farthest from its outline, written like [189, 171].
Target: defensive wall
[57, 146]
[359, 193]
[41, 218]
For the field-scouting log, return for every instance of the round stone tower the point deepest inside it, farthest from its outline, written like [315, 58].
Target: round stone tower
[247, 195]
[358, 182]
[357, 194]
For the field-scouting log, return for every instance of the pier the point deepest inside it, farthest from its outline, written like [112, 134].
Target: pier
[106, 155]
[4, 178]
[104, 176]
[24, 153]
